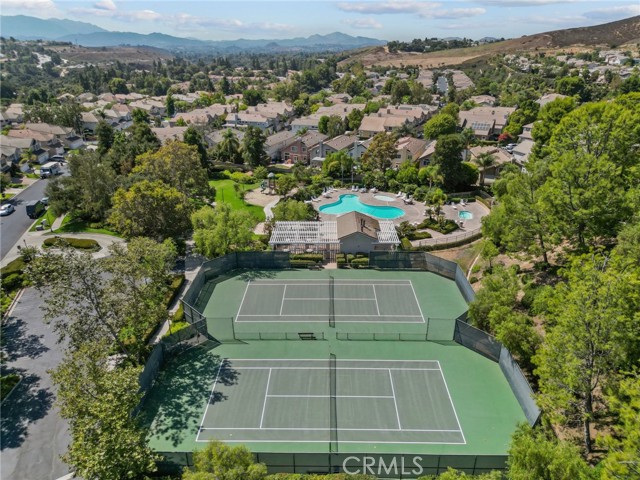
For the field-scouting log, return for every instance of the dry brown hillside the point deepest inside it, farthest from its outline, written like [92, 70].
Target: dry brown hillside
[607, 35]
[102, 55]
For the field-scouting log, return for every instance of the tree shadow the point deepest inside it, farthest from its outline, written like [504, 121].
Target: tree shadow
[27, 404]
[17, 343]
[258, 274]
[174, 406]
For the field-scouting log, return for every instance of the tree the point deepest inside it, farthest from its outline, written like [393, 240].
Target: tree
[429, 175]
[115, 300]
[337, 164]
[252, 97]
[448, 158]
[591, 327]
[285, 183]
[323, 124]
[407, 173]
[354, 119]
[177, 165]
[118, 85]
[379, 154]
[335, 126]
[170, 105]
[623, 458]
[549, 117]
[192, 136]
[87, 192]
[107, 441]
[151, 209]
[533, 454]
[452, 109]
[489, 251]
[591, 166]
[253, 147]
[229, 148]
[438, 125]
[105, 135]
[571, 86]
[218, 461]
[221, 230]
[484, 161]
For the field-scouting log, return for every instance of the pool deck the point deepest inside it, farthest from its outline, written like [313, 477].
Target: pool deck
[413, 213]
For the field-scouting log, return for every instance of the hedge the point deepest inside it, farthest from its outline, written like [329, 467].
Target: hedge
[418, 235]
[405, 243]
[484, 201]
[174, 288]
[301, 263]
[448, 226]
[360, 262]
[316, 257]
[445, 246]
[79, 243]
[14, 266]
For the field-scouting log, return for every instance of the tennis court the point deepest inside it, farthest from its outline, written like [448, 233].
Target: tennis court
[342, 300]
[324, 401]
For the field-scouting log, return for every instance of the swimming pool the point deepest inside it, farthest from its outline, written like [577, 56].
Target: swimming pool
[465, 215]
[351, 203]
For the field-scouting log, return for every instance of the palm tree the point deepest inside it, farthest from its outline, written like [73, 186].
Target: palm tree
[485, 160]
[229, 147]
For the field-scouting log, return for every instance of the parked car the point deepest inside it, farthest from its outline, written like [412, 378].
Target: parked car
[7, 209]
[35, 208]
[45, 200]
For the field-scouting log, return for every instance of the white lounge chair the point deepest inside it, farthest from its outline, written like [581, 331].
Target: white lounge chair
[399, 194]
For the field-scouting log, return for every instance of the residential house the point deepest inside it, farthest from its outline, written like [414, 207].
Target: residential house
[69, 138]
[23, 144]
[154, 108]
[309, 123]
[484, 100]
[361, 233]
[196, 117]
[426, 156]
[408, 148]
[376, 123]
[90, 121]
[47, 141]
[526, 132]
[486, 122]
[13, 113]
[299, 148]
[341, 110]
[501, 158]
[548, 98]
[278, 113]
[9, 155]
[217, 136]
[522, 151]
[166, 134]
[336, 144]
[339, 98]
[275, 143]
[243, 119]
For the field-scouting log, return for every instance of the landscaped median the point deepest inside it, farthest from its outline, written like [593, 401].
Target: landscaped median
[87, 244]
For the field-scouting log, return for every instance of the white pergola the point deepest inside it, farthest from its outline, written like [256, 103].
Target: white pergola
[387, 233]
[301, 237]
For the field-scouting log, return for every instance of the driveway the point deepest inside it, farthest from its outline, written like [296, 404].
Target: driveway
[33, 435]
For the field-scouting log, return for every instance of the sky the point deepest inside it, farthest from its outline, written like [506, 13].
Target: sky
[387, 20]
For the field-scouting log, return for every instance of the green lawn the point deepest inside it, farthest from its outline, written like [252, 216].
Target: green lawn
[226, 193]
[77, 226]
[48, 216]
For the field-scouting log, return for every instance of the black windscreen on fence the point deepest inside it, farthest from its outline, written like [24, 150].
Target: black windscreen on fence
[477, 340]
[520, 386]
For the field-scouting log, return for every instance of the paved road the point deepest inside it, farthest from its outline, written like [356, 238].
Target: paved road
[13, 226]
[32, 434]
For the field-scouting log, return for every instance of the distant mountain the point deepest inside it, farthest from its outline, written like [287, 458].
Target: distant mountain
[23, 27]
[30, 28]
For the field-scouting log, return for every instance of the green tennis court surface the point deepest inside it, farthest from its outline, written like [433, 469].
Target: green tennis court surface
[377, 401]
[309, 300]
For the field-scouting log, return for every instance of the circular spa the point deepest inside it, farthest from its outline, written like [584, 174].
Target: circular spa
[351, 203]
[465, 215]
[384, 198]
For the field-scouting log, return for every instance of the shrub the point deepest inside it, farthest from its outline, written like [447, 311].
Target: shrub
[418, 235]
[179, 315]
[301, 263]
[12, 282]
[350, 257]
[360, 263]
[473, 279]
[405, 244]
[316, 257]
[78, 243]
[15, 266]
[174, 288]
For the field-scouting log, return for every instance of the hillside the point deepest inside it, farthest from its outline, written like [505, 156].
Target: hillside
[107, 55]
[607, 36]
[31, 28]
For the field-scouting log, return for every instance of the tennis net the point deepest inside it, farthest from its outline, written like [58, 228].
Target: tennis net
[332, 306]
[333, 414]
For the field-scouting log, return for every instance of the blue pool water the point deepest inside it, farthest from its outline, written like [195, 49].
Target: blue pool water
[351, 203]
[464, 215]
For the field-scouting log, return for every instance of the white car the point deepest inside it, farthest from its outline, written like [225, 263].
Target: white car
[7, 209]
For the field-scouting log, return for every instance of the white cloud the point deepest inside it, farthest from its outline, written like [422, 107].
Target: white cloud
[124, 15]
[37, 8]
[186, 22]
[363, 23]
[613, 13]
[105, 5]
[390, 7]
[522, 3]
[455, 13]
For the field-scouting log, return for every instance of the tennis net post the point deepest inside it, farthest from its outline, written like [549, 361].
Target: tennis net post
[332, 306]
[333, 413]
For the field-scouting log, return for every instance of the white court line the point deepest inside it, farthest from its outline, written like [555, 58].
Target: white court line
[297, 440]
[325, 396]
[417, 302]
[335, 298]
[243, 297]
[376, 297]
[305, 315]
[293, 281]
[210, 397]
[266, 392]
[338, 368]
[342, 360]
[451, 402]
[395, 402]
[313, 429]
[284, 294]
